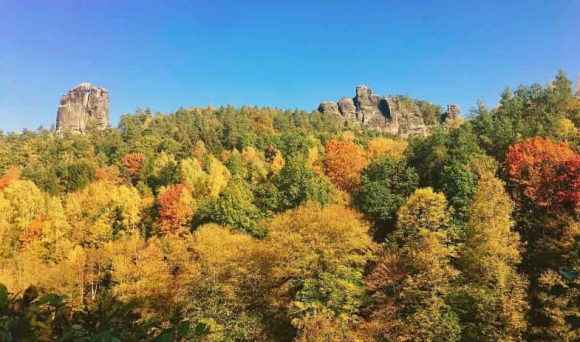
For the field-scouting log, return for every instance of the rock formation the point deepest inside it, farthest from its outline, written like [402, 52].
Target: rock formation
[81, 107]
[578, 86]
[396, 115]
[453, 112]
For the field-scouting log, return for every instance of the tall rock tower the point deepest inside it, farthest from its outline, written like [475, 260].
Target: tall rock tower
[82, 106]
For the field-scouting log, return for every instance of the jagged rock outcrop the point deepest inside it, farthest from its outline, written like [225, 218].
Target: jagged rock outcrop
[328, 107]
[453, 113]
[81, 107]
[396, 115]
[347, 108]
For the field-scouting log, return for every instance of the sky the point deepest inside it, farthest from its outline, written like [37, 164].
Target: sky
[288, 54]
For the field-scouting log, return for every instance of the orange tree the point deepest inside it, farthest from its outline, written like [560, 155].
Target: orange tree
[344, 163]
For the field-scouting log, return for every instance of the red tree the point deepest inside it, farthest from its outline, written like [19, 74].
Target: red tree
[545, 172]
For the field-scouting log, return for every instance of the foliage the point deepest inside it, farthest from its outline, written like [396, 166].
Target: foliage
[385, 185]
[254, 224]
[320, 277]
[344, 162]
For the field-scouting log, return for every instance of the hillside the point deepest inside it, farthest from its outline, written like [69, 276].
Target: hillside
[357, 222]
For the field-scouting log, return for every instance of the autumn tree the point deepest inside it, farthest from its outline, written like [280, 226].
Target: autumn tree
[176, 207]
[133, 163]
[413, 276]
[343, 165]
[323, 252]
[218, 177]
[191, 172]
[109, 174]
[543, 172]
[383, 147]
[151, 273]
[491, 300]
[21, 202]
[8, 177]
[230, 284]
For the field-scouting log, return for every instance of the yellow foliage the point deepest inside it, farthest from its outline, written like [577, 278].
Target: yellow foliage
[93, 211]
[382, 147]
[256, 166]
[151, 272]
[314, 162]
[319, 248]
[566, 130]
[218, 178]
[277, 163]
[191, 172]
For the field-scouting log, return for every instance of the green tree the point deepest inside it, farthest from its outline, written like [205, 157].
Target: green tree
[385, 184]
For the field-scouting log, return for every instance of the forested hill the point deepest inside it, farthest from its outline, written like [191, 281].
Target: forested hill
[258, 224]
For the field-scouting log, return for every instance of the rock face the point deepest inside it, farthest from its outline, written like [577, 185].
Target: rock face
[81, 107]
[395, 115]
[578, 86]
[453, 112]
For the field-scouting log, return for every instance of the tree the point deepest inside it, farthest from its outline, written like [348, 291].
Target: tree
[229, 289]
[541, 171]
[21, 202]
[491, 301]
[385, 185]
[323, 251]
[133, 163]
[8, 177]
[218, 177]
[233, 208]
[191, 172]
[176, 207]
[413, 276]
[343, 165]
[382, 147]
[101, 211]
[298, 184]
[458, 185]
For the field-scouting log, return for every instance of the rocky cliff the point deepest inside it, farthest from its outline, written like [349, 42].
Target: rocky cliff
[81, 107]
[396, 115]
[391, 114]
[453, 113]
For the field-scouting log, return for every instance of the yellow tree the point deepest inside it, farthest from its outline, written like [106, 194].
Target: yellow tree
[257, 168]
[231, 285]
[191, 172]
[151, 273]
[322, 252]
[411, 280]
[20, 204]
[102, 210]
[218, 178]
[383, 147]
[492, 298]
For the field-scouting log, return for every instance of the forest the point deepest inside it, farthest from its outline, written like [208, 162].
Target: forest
[262, 224]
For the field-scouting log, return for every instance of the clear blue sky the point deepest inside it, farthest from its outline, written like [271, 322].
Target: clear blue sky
[289, 54]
